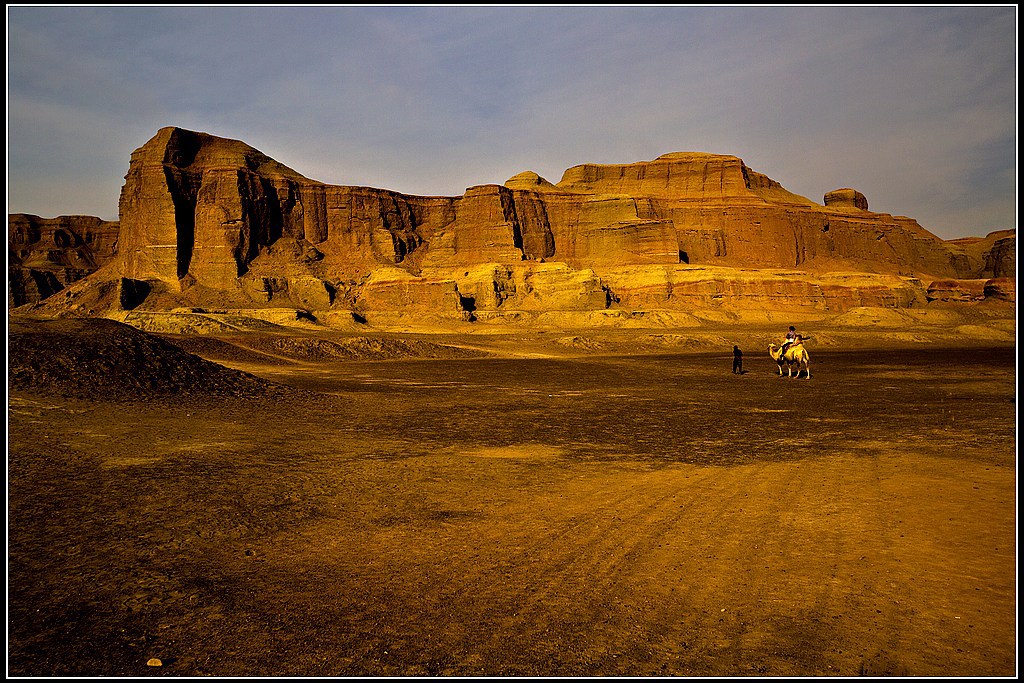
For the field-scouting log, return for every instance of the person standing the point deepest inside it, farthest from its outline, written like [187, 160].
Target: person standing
[737, 360]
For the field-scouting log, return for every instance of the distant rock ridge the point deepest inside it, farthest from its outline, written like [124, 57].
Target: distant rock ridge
[207, 219]
[47, 254]
[997, 250]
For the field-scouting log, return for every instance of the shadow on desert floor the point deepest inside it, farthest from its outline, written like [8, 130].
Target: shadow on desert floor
[599, 515]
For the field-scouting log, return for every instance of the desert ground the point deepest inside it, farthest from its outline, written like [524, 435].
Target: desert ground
[575, 503]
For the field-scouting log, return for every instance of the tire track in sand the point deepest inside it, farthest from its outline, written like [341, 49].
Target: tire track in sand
[595, 576]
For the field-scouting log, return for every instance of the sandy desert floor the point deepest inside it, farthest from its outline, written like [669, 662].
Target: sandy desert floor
[579, 514]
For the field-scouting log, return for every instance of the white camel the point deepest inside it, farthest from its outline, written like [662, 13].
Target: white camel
[795, 356]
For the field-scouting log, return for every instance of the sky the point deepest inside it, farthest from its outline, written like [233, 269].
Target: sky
[913, 106]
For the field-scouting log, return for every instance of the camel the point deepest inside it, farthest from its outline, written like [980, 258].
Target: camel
[795, 356]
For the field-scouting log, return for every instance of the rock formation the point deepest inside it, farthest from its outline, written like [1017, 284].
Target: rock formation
[104, 358]
[996, 252]
[846, 197]
[1001, 288]
[210, 221]
[46, 255]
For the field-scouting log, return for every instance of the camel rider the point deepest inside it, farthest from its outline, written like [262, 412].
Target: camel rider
[791, 338]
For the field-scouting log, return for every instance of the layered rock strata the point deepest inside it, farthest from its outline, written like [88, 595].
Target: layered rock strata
[45, 255]
[996, 252]
[846, 198]
[211, 221]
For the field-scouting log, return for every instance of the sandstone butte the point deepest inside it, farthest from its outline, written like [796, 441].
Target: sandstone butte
[212, 223]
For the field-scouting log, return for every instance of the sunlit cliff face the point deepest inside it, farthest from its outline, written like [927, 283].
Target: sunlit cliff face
[210, 220]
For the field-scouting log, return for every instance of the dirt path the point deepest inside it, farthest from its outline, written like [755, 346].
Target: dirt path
[608, 518]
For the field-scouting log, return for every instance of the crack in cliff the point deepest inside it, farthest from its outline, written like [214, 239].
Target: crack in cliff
[183, 196]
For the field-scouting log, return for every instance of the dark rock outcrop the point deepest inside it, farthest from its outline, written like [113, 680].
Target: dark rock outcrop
[47, 254]
[93, 358]
[1001, 289]
[956, 291]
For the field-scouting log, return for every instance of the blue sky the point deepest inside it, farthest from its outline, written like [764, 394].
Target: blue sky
[913, 106]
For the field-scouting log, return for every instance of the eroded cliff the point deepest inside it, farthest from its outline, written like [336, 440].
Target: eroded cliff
[210, 221]
[45, 255]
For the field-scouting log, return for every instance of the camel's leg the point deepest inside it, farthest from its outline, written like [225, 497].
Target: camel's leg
[807, 367]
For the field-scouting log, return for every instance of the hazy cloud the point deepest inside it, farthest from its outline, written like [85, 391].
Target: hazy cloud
[913, 106]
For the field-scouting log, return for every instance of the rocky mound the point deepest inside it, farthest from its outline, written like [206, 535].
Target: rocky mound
[98, 358]
[222, 350]
[308, 349]
[278, 349]
[646, 343]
